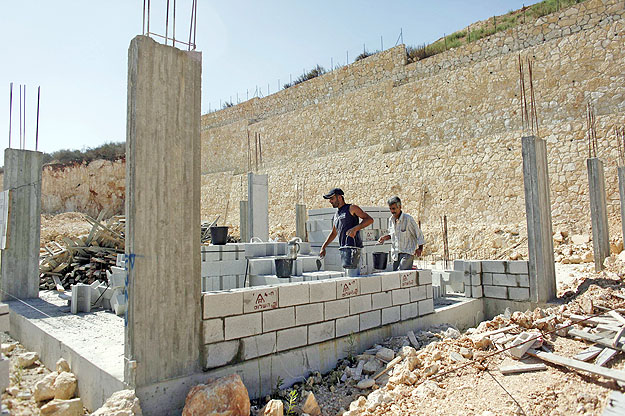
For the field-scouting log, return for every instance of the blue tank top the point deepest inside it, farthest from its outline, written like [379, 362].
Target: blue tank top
[343, 221]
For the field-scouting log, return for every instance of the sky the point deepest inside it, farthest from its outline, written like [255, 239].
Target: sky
[77, 52]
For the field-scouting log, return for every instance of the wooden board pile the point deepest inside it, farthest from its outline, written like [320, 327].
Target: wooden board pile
[82, 259]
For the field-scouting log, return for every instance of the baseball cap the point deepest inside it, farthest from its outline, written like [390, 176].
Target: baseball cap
[334, 191]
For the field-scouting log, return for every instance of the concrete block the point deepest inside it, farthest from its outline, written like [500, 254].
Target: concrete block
[293, 294]
[359, 304]
[336, 309]
[263, 280]
[118, 302]
[390, 280]
[210, 269]
[229, 255]
[292, 338]
[521, 344]
[476, 266]
[409, 311]
[476, 279]
[81, 298]
[4, 373]
[116, 279]
[467, 291]
[220, 304]
[466, 279]
[381, 300]
[370, 284]
[477, 291]
[258, 346]
[428, 292]
[401, 296]
[322, 291]
[498, 292]
[121, 261]
[228, 282]
[518, 293]
[425, 277]
[309, 314]
[221, 353]
[407, 278]
[523, 280]
[243, 326]
[261, 266]
[213, 330]
[426, 307]
[487, 279]
[518, 267]
[296, 279]
[390, 315]
[234, 267]
[370, 320]
[459, 265]
[418, 293]
[500, 279]
[210, 256]
[262, 299]
[346, 288]
[321, 332]
[347, 325]
[255, 250]
[456, 281]
[278, 319]
[493, 266]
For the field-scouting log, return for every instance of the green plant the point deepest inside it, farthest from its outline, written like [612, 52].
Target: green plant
[313, 73]
[18, 375]
[351, 348]
[291, 400]
[276, 389]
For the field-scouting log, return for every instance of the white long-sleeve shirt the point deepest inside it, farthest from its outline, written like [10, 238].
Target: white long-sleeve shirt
[405, 235]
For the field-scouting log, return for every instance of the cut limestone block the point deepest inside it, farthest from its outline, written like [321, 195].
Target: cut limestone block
[81, 298]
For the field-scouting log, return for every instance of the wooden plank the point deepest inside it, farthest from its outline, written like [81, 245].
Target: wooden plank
[413, 340]
[597, 339]
[57, 282]
[617, 316]
[606, 355]
[618, 336]
[617, 375]
[522, 368]
[483, 335]
[588, 354]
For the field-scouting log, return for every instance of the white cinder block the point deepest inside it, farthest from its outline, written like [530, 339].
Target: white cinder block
[81, 298]
[518, 267]
[409, 311]
[210, 269]
[258, 346]
[213, 330]
[493, 266]
[243, 326]
[477, 291]
[401, 296]
[278, 319]
[320, 332]
[228, 282]
[322, 291]
[408, 278]
[346, 288]
[459, 265]
[425, 277]
[476, 279]
[467, 291]
[370, 320]
[370, 284]
[228, 255]
[428, 292]
[426, 307]
[456, 281]
[390, 280]
[260, 299]
[499, 292]
[500, 279]
[292, 338]
[418, 293]
[390, 315]
[476, 266]
[234, 267]
[487, 279]
[293, 294]
[523, 280]
[381, 300]
[336, 309]
[347, 325]
[359, 304]
[308, 314]
[518, 293]
[221, 353]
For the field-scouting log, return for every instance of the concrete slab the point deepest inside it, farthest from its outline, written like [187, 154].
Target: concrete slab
[598, 211]
[258, 206]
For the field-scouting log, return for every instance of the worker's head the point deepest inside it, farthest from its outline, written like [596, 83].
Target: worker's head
[335, 196]
[394, 205]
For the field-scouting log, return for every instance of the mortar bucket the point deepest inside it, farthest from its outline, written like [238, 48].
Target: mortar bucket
[380, 260]
[350, 257]
[284, 267]
[219, 235]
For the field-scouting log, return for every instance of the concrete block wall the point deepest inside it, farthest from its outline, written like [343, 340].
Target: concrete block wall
[243, 324]
[498, 279]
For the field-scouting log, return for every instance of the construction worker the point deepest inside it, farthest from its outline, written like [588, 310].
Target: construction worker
[406, 237]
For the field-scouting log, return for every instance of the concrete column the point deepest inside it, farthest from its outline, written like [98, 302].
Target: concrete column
[245, 234]
[621, 191]
[538, 212]
[598, 211]
[300, 221]
[163, 218]
[258, 206]
[20, 259]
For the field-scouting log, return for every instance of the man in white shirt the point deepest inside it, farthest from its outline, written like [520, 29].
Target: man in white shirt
[406, 237]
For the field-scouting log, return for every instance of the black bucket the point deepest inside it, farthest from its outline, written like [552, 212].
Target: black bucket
[380, 260]
[219, 235]
[350, 257]
[284, 267]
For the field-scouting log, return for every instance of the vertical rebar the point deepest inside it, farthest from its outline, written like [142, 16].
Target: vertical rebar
[10, 111]
[149, 17]
[194, 23]
[191, 26]
[20, 116]
[143, 26]
[174, 28]
[37, 128]
[167, 22]
[381, 43]
[24, 141]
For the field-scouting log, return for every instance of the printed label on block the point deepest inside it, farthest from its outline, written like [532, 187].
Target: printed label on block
[348, 288]
[407, 279]
[260, 300]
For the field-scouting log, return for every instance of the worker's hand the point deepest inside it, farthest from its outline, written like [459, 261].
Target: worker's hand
[322, 252]
[352, 232]
[381, 240]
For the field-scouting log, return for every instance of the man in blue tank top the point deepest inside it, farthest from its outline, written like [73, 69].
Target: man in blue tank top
[346, 222]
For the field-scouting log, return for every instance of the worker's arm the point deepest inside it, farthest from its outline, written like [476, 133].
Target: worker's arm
[384, 238]
[331, 237]
[366, 220]
[417, 235]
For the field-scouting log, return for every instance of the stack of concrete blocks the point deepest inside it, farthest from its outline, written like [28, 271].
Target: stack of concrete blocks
[468, 278]
[319, 226]
[117, 286]
[5, 326]
[223, 266]
[497, 279]
[81, 298]
[244, 324]
[446, 282]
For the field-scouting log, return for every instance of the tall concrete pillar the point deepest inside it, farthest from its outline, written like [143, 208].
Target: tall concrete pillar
[300, 221]
[621, 191]
[538, 212]
[245, 234]
[598, 211]
[162, 336]
[20, 258]
[258, 206]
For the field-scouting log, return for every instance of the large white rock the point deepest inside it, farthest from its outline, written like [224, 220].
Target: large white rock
[62, 365]
[274, 408]
[27, 359]
[65, 386]
[121, 403]
[222, 396]
[44, 389]
[311, 406]
[57, 407]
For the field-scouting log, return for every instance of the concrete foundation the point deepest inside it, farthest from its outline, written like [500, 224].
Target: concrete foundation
[258, 206]
[300, 221]
[598, 211]
[245, 234]
[163, 215]
[538, 212]
[20, 258]
[621, 192]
